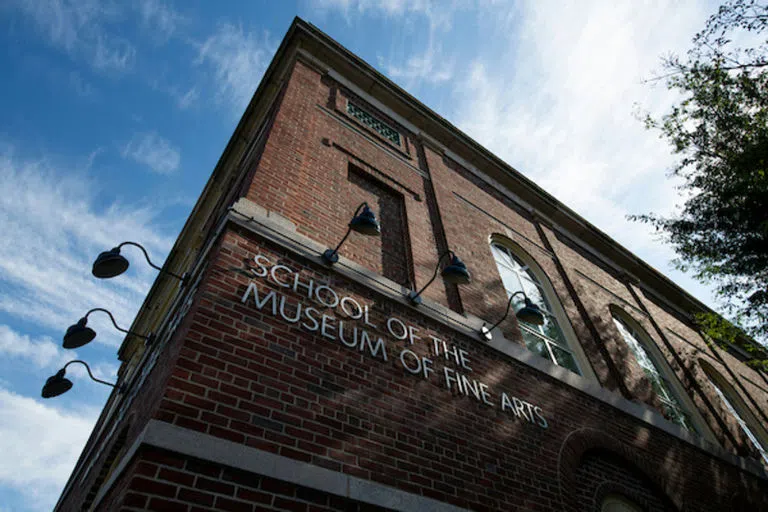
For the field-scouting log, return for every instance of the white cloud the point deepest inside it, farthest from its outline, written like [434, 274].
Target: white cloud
[238, 59]
[51, 233]
[153, 151]
[81, 28]
[438, 12]
[42, 352]
[113, 54]
[40, 444]
[160, 18]
[46, 354]
[431, 66]
[185, 100]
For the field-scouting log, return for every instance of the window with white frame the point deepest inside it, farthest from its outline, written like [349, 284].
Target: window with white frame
[637, 342]
[373, 123]
[547, 340]
[730, 404]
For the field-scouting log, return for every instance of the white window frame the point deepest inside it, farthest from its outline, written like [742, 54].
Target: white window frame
[679, 398]
[555, 311]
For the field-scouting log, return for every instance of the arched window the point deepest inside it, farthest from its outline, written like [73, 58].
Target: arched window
[639, 344]
[735, 406]
[546, 340]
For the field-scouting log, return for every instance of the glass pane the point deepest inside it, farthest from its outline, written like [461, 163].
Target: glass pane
[516, 263]
[565, 359]
[534, 292]
[676, 415]
[551, 330]
[535, 344]
[637, 349]
[502, 256]
[672, 408]
[743, 424]
[659, 387]
[511, 283]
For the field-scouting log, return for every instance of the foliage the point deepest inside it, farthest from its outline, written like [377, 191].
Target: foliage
[726, 334]
[719, 130]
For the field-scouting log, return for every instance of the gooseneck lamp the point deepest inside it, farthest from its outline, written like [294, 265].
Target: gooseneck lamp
[111, 263]
[363, 222]
[528, 312]
[80, 334]
[58, 384]
[456, 272]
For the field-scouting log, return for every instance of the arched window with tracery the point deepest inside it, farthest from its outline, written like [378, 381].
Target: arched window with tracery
[736, 408]
[639, 344]
[518, 273]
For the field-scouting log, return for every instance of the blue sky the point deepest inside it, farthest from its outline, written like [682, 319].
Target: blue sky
[114, 115]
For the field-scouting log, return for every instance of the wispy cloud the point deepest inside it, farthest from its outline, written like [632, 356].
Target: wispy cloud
[438, 12]
[153, 151]
[46, 354]
[160, 18]
[238, 59]
[80, 28]
[35, 463]
[413, 65]
[81, 87]
[113, 54]
[42, 352]
[431, 66]
[187, 99]
[51, 232]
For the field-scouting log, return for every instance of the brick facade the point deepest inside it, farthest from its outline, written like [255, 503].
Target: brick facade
[263, 392]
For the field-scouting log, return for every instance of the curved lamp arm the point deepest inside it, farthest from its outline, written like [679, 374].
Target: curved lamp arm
[181, 278]
[530, 313]
[414, 297]
[349, 228]
[115, 323]
[329, 255]
[88, 369]
[509, 304]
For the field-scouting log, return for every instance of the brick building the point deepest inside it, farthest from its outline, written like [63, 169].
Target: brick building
[277, 381]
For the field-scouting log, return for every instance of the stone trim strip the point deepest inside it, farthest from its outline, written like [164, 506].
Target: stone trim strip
[191, 443]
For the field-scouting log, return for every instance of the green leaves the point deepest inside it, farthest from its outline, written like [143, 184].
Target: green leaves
[719, 129]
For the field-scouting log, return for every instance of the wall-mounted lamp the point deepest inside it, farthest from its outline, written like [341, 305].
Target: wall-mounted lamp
[79, 334]
[111, 263]
[363, 222]
[58, 384]
[456, 272]
[528, 313]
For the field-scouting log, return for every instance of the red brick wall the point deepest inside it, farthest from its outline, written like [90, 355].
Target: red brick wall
[251, 378]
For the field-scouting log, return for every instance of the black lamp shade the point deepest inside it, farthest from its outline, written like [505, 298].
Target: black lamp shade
[529, 313]
[78, 335]
[365, 223]
[456, 272]
[109, 264]
[56, 385]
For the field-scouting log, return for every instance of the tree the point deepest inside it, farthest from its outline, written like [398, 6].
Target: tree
[719, 130]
